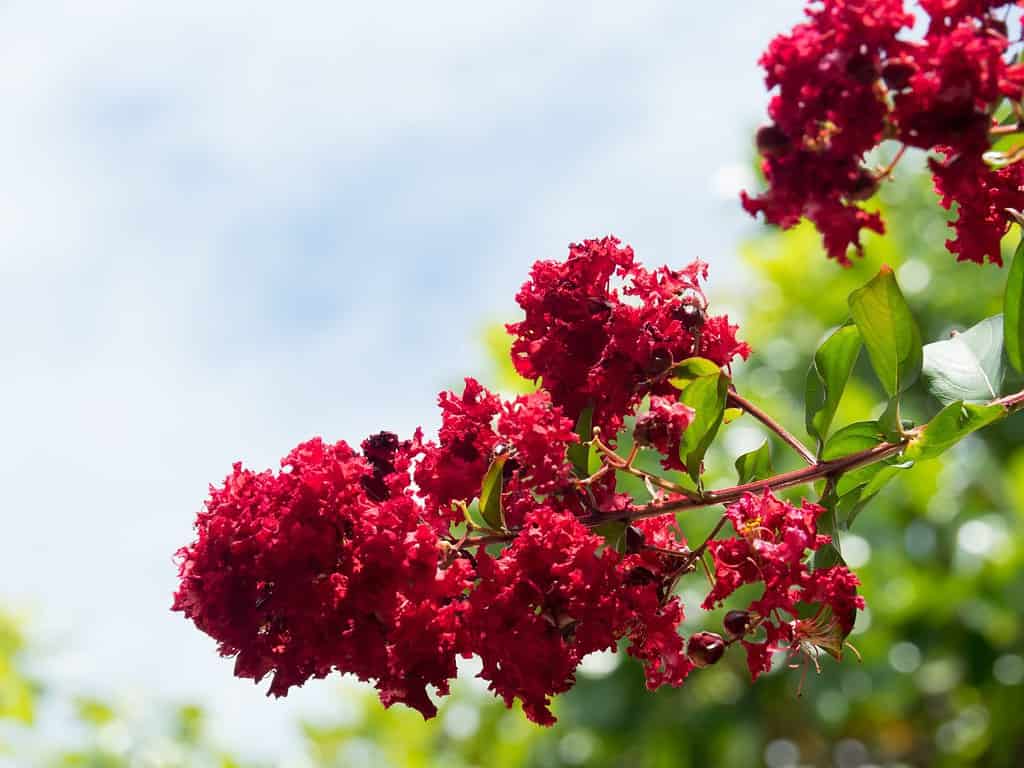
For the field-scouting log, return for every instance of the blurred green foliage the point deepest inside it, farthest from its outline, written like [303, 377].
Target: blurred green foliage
[939, 551]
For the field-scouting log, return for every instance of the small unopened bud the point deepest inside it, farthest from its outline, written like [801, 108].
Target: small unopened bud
[864, 186]
[690, 314]
[649, 430]
[705, 648]
[897, 73]
[863, 68]
[772, 140]
[736, 623]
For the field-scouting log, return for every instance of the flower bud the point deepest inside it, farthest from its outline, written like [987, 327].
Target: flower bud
[772, 140]
[863, 68]
[705, 648]
[736, 623]
[864, 186]
[897, 73]
[650, 430]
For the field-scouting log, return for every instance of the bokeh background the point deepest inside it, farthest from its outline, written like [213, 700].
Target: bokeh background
[224, 229]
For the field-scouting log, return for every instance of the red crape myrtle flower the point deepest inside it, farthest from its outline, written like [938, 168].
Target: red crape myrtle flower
[771, 547]
[848, 78]
[662, 428]
[592, 348]
[556, 594]
[304, 572]
[826, 115]
[476, 428]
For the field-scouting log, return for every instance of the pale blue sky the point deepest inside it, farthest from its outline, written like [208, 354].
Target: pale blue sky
[225, 229]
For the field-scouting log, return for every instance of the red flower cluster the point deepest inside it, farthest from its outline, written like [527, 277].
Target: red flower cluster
[476, 428]
[556, 594]
[306, 571]
[592, 348]
[771, 547]
[317, 569]
[368, 562]
[848, 78]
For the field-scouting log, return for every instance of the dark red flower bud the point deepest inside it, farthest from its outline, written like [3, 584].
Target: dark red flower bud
[736, 623]
[897, 73]
[772, 140]
[650, 430]
[634, 539]
[705, 648]
[864, 187]
[690, 313]
[862, 67]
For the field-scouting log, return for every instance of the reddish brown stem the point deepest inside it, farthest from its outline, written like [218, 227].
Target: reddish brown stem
[745, 405]
[1004, 130]
[887, 171]
[785, 480]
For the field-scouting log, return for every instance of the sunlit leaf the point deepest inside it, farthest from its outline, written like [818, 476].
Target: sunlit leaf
[889, 331]
[704, 387]
[1013, 310]
[755, 464]
[490, 495]
[968, 366]
[827, 377]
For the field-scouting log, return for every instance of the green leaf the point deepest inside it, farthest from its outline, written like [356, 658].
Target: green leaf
[827, 377]
[968, 366]
[856, 487]
[490, 495]
[889, 331]
[856, 437]
[951, 425]
[693, 368]
[704, 387]
[1013, 310]
[579, 453]
[755, 465]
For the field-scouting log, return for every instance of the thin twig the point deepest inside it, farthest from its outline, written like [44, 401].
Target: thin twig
[777, 482]
[1004, 130]
[745, 405]
[887, 171]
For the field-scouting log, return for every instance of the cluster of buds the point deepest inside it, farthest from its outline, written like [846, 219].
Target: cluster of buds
[391, 561]
[851, 76]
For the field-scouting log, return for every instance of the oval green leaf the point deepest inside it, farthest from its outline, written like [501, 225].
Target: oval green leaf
[704, 387]
[889, 331]
[827, 377]
[755, 464]
[490, 495]
[1013, 310]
